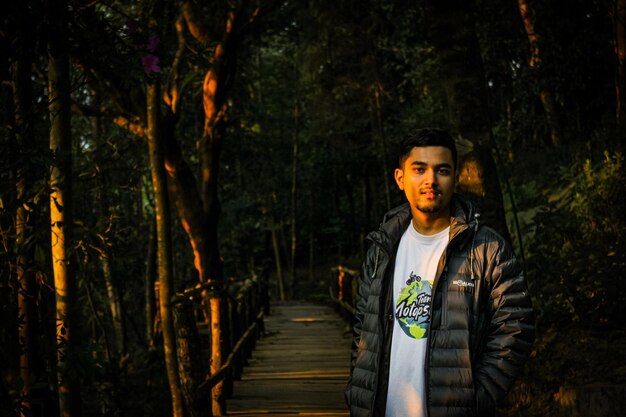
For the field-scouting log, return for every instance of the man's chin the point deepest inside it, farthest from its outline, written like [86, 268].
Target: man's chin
[430, 209]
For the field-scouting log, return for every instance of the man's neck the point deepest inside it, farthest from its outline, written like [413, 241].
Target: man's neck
[430, 223]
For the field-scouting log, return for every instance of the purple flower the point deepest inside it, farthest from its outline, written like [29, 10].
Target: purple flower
[153, 42]
[151, 64]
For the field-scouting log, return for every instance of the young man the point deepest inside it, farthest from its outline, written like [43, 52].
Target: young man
[444, 320]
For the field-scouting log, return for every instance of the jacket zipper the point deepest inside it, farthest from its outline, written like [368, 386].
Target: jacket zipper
[444, 298]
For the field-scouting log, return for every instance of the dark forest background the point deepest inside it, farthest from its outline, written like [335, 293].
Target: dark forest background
[188, 142]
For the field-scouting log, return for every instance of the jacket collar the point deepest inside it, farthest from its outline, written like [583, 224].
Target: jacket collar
[463, 216]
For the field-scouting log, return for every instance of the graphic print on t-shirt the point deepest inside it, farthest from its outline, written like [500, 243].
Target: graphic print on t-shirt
[413, 307]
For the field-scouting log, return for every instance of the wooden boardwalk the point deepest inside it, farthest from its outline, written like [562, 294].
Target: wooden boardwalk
[299, 368]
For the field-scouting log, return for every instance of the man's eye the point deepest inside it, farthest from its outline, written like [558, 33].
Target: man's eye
[420, 170]
[444, 171]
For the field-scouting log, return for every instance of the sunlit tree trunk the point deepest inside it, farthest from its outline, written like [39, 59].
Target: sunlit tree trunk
[454, 35]
[210, 155]
[164, 248]
[535, 64]
[218, 81]
[191, 369]
[619, 19]
[60, 210]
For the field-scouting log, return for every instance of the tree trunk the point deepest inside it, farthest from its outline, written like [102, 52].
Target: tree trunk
[200, 221]
[164, 248]
[218, 336]
[60, 209]
[115, 305]
[149, 285]
[545, 95]
[619, 19]
[454, 35]
[191, 366]
[26, 295]
[211, 145]
[201, 229]
[279, 269]
[311, 239]
[294, 208]
[380, 133]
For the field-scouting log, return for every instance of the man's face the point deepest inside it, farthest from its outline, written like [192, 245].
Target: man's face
[428, 179]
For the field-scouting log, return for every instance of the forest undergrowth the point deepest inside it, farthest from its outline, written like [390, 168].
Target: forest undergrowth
[570, 207]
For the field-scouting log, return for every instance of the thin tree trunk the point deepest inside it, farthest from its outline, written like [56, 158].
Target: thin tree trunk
[293, 214]
[282, 241]
[311, 238]
[380, 132]
[545, 95]
[217, 352]
[619, 19]
[149, 285]
[60, 210]
[164, 248]
[115, 305]
[279, 269]
[367, 213]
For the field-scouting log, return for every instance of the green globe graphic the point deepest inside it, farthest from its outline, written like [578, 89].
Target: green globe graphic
[415, 326]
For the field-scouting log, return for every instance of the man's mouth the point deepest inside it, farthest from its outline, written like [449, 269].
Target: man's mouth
[430, 193]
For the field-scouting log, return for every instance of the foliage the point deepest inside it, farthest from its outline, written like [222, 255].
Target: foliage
[576, 251]
[574, 264]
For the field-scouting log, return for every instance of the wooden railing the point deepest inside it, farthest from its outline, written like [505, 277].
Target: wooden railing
[343, 288]
[247, 302]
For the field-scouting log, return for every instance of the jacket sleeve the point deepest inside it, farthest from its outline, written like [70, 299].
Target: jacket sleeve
[365, 281]
[510, 334]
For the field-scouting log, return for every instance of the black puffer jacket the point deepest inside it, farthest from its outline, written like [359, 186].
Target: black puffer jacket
[481, 326]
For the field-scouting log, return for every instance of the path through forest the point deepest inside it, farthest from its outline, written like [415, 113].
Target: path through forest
[299, 368]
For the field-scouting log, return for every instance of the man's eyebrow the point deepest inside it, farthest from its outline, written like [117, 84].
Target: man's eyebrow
[442, 165]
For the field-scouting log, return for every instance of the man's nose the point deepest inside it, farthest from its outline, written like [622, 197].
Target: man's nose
[430, 177]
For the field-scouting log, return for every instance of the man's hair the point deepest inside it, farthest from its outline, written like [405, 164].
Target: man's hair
[426, 137]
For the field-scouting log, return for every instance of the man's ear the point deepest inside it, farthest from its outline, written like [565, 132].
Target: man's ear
[399, 176]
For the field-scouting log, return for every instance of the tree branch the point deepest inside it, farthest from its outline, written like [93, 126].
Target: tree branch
[138, 129]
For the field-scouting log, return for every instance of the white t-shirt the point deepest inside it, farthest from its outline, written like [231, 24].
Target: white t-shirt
[415, 269]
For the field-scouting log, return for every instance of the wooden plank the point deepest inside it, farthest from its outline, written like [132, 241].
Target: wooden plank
[299, 368]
